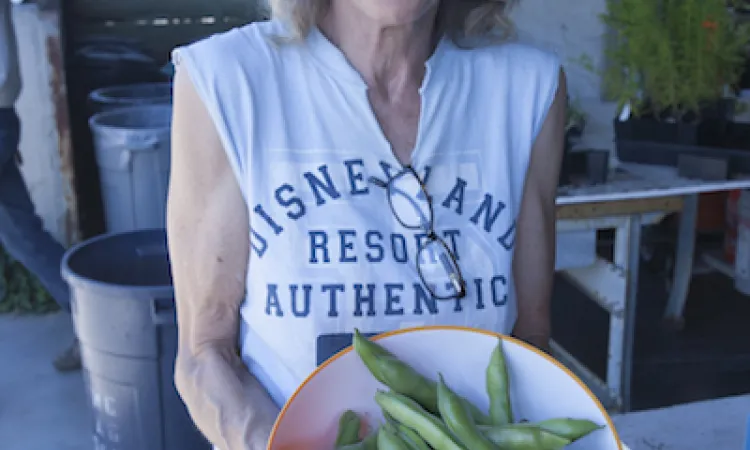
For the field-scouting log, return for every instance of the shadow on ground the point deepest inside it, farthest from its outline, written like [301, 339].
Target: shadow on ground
[40, 409]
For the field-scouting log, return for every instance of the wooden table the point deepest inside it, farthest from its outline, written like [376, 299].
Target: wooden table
[633, 197]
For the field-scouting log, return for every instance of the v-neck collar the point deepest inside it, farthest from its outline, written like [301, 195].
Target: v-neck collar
[335, 62]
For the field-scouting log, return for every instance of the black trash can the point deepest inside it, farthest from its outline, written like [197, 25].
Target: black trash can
[123, 310]
[112, 97]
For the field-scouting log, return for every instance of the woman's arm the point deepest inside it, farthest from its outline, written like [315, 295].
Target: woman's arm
[534, 260]
[208, 234]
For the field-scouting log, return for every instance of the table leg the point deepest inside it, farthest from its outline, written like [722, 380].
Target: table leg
[683, 269]
[622, 326]
[614, 287]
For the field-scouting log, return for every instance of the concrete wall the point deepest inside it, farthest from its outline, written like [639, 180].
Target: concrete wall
[39, 139]
[572, 29]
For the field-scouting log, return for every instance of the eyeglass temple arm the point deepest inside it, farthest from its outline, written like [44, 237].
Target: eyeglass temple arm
[377, 182]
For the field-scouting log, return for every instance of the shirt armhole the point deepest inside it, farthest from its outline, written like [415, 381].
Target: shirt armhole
[183, 59]
[547, 93]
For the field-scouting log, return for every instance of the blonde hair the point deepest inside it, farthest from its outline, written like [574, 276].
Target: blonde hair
[464, 21]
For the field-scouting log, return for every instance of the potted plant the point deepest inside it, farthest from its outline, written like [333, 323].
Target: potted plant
[576, 120]
[581, 165]
[670, 62]
[574, 127]
[741, 6]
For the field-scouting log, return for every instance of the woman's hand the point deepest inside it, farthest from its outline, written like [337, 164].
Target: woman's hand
[208, 234]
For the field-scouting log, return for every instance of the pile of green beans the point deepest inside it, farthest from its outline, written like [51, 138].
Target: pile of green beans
[424, 414]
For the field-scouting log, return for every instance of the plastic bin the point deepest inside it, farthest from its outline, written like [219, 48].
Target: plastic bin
[108, 98]
[123, 310]
[110, 62]
[132, 148]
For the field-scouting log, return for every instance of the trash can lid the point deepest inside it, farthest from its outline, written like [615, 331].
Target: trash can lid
[130, 261]
[132, 93]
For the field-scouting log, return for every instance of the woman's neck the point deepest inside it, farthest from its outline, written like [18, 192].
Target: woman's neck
[390, 59]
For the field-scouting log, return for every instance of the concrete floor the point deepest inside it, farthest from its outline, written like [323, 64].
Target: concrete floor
[40, 409]
[713, 424]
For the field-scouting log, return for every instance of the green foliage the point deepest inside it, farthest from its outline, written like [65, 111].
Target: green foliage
[672, 56]
[576, 116]
[20, 291]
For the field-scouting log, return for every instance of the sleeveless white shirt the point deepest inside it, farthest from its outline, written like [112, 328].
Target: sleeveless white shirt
[327, 254]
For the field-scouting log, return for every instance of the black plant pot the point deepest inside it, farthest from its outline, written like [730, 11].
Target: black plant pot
[585, 167]
[566, 170]
[649, 129]
[708, 128]
[647, 140]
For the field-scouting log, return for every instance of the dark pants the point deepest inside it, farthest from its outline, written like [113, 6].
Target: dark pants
[22, 233]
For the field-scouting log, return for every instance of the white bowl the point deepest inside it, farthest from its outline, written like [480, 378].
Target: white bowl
[541, 387]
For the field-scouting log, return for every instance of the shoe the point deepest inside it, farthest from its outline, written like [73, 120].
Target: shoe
[69, 360]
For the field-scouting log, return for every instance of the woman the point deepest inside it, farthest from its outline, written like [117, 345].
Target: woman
[354, 164]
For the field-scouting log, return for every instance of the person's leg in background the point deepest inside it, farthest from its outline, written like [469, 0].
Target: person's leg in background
[22, 232]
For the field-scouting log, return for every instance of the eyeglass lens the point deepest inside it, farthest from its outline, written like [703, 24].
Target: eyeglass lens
[409, 201]
[438, 270]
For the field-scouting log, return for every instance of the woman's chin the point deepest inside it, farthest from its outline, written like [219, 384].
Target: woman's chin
[390, 13]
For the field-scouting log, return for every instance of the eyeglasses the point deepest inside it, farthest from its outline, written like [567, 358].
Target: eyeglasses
[412, 207]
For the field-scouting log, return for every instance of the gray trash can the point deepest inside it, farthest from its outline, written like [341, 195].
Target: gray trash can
[112, 97]
[123, 310]
[132, 148]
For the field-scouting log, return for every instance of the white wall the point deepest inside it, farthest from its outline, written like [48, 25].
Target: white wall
[572, 29]
[39, 139]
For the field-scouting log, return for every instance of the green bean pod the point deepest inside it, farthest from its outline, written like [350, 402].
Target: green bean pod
[349, 425]
[394, 373]
[402, 378]
[524, 437]
[572, 429]
[479, 417]
[498, 387]
[458, 419]
[370, 442]
[389, 420]
[391, 425]
[357, 446]
[369, 347]
[413, 415]
[388, 440]
[411, 437]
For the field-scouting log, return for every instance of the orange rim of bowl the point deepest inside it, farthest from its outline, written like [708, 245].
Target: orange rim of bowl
[523, 344]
